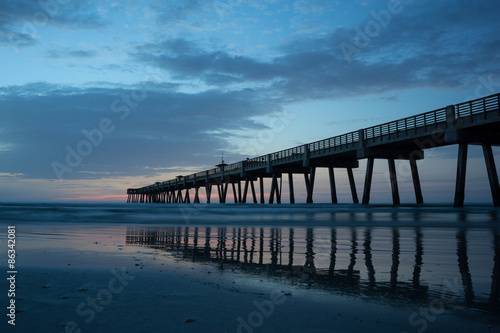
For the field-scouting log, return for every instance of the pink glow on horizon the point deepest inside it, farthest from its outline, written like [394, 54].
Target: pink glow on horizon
[97, 198]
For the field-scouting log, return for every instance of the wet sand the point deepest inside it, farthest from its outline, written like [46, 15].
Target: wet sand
[85, 278]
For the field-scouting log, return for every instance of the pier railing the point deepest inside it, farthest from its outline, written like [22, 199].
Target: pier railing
[335, 143]
[233, 168]
[427, 120]
[478, 106]
[256, 162]
[287, 155]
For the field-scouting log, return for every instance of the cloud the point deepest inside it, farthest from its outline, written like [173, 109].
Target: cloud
[22, 20]
[312, 7]
[10, 175]
[174, 11]
[403, 54]
[186, 60]
[14, 38]
[70, 53]
[143, 126]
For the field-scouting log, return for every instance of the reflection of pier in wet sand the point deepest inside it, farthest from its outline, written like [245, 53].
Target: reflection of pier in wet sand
[343, 260]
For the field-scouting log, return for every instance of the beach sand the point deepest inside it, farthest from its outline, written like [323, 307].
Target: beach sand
[85, 278]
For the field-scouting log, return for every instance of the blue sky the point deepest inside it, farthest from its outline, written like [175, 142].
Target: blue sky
[143, 91]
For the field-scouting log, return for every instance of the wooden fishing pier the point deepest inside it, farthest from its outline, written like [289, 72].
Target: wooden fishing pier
[475, 122]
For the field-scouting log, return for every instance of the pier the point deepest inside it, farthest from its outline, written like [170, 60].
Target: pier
[476, 122]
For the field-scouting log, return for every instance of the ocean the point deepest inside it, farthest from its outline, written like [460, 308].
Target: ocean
[434, 259]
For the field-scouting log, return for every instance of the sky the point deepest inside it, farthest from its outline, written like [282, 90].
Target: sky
[100, 96]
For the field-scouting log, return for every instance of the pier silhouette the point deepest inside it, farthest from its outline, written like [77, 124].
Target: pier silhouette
[475, 122]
